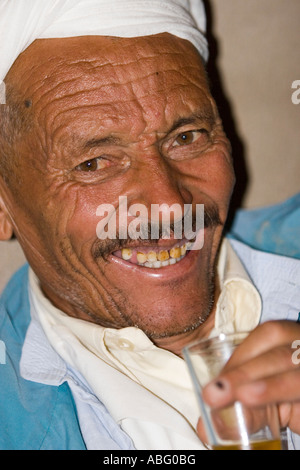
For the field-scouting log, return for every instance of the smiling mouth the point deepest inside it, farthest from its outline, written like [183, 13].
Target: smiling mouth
[155, 258]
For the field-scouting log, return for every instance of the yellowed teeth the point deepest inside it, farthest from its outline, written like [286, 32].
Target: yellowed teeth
[158, 259]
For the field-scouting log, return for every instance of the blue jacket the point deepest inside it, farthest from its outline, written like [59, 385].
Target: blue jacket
[32, 416]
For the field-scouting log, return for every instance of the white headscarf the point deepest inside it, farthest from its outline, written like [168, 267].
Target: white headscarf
[23, 21]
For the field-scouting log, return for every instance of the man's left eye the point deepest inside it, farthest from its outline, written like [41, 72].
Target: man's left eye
[189, 137]
[92, 165]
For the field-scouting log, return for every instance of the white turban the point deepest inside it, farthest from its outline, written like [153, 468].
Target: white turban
[23, 21]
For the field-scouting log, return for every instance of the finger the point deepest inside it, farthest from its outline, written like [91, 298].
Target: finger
[262, 338]
[279, 388]
[282, 389]
[223, 390]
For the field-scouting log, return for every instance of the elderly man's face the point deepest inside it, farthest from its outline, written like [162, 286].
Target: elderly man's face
[118, 117]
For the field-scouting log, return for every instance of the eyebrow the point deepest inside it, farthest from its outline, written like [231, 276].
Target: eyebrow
[202, 115]
[109, 140]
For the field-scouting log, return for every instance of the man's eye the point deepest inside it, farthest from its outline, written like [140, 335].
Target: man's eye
[189, 137]
[92, 165]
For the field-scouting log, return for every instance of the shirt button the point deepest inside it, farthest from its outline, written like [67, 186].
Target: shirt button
[125, 344]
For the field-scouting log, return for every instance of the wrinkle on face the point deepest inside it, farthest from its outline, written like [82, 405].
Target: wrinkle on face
[117, 81]
[95, 97]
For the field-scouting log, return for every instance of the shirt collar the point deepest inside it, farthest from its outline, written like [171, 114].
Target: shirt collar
[239, 305]
[238, 309]
[39, 361]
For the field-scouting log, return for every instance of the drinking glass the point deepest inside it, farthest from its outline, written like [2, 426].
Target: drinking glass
[235, 427]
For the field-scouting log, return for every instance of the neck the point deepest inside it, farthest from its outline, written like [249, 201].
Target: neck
[176, 343]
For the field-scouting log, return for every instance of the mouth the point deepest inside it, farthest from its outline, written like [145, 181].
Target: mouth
[154, 257]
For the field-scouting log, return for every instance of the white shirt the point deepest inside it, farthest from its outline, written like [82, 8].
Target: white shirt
[147, 390]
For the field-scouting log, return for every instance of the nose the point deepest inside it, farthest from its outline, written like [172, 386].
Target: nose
[158, 186]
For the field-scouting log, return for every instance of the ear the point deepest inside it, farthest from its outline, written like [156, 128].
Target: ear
[6, 228]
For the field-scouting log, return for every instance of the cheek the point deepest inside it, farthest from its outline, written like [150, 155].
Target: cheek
[89, 210]
[210, 176]
[82, 219]
[222, 181]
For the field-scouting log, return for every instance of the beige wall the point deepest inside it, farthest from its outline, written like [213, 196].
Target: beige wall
[12, 258]
[256, 44]
[258, 58]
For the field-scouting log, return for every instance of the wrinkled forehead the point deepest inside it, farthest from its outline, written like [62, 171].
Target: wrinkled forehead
[105, 77]
[49, 63]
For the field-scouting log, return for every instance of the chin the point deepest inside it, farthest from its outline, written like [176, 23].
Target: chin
[174, 315]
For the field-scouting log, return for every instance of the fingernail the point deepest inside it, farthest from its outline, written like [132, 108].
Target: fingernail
[215, 391]
[220, 385]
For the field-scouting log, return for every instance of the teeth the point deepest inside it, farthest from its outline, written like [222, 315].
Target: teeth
[183, 250]
[158, 260]
[148, 264]
[175, 252]
[163, 255]
[156, 264]
[161, 264]
[141, 258]
[126, 254]
[163, 258]
[151, 257]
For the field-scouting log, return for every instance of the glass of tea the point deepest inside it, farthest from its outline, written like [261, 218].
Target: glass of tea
[235, 427]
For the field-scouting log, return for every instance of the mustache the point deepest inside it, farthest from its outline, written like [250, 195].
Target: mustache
[103, 248]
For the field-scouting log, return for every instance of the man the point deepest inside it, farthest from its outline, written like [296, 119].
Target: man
[94, 336]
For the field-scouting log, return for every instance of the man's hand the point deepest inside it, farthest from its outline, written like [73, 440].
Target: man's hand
[263, 369]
